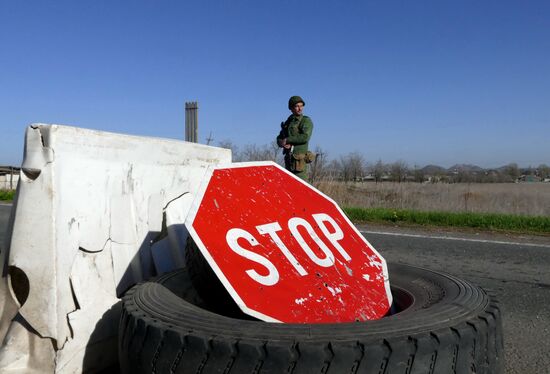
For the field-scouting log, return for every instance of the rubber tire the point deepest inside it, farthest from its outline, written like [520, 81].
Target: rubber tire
[446, 325]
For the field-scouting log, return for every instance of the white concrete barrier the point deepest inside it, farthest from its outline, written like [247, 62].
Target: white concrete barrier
[88, 207]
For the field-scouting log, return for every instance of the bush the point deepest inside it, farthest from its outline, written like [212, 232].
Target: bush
[6, 195]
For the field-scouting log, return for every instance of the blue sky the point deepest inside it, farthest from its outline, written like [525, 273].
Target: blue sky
[427, 82]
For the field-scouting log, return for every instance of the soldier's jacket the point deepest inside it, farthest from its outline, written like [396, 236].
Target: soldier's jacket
[297, 131]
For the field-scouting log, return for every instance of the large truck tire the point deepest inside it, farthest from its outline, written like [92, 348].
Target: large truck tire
[440, 325]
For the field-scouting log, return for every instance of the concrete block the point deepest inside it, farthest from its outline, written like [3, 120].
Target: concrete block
[89, 208]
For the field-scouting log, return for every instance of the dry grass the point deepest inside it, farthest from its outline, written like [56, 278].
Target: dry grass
[532, 199]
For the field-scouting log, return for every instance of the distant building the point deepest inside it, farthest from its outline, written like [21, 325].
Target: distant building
[9, 176]
[368, 178]
[530, 178]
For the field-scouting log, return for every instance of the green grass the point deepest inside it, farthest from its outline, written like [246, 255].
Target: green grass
[484, 221]
[6, 195]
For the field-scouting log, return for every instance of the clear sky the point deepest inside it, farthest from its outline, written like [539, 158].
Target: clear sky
[426, 82]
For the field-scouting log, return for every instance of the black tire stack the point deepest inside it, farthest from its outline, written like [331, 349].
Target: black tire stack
[443, 325]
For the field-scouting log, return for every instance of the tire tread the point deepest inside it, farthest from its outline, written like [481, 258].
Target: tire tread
[155, 340]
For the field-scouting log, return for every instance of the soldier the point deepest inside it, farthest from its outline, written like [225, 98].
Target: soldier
[294, 138]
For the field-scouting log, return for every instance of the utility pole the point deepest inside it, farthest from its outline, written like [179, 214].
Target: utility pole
[318, 158]
[209, 139]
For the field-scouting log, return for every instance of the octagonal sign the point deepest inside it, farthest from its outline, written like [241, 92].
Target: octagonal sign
[284, 251]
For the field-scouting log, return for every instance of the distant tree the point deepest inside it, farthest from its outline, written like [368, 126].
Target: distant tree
[462, 175]
[266, 152]
[318, 169]
[275, 152]
[253, 152]
[352, 166]
[528, 171]
[378, 170]
[399, 170]
[544, 171]
[512, 171]
[490, 176]
[333, 169]
[418, 174]
[228, 144]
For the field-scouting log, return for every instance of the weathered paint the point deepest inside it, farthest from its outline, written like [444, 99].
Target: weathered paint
[88, 213]
[285, 251]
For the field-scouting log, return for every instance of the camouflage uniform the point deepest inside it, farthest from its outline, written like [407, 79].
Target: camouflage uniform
[297, 132]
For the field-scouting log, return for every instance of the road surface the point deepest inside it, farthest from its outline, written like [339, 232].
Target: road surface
[516, 268]
[4, 216]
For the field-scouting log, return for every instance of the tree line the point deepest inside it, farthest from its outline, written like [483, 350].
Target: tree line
[354, 167]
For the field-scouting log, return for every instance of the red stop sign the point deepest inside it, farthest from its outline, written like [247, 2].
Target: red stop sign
[285, 251]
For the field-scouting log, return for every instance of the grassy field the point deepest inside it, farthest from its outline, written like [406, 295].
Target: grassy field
[507, 207]
[528, 199]
[516, 207]
[483, 221]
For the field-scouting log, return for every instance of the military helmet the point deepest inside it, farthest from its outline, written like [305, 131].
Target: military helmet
[295, 100]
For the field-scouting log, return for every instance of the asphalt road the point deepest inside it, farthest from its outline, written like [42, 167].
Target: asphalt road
[4, 216]
[516, 268]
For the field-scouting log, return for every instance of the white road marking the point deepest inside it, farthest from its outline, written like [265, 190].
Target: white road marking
[6, 204]
[455, 238]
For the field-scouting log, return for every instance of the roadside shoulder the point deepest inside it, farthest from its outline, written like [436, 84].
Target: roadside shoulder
[451, 232]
